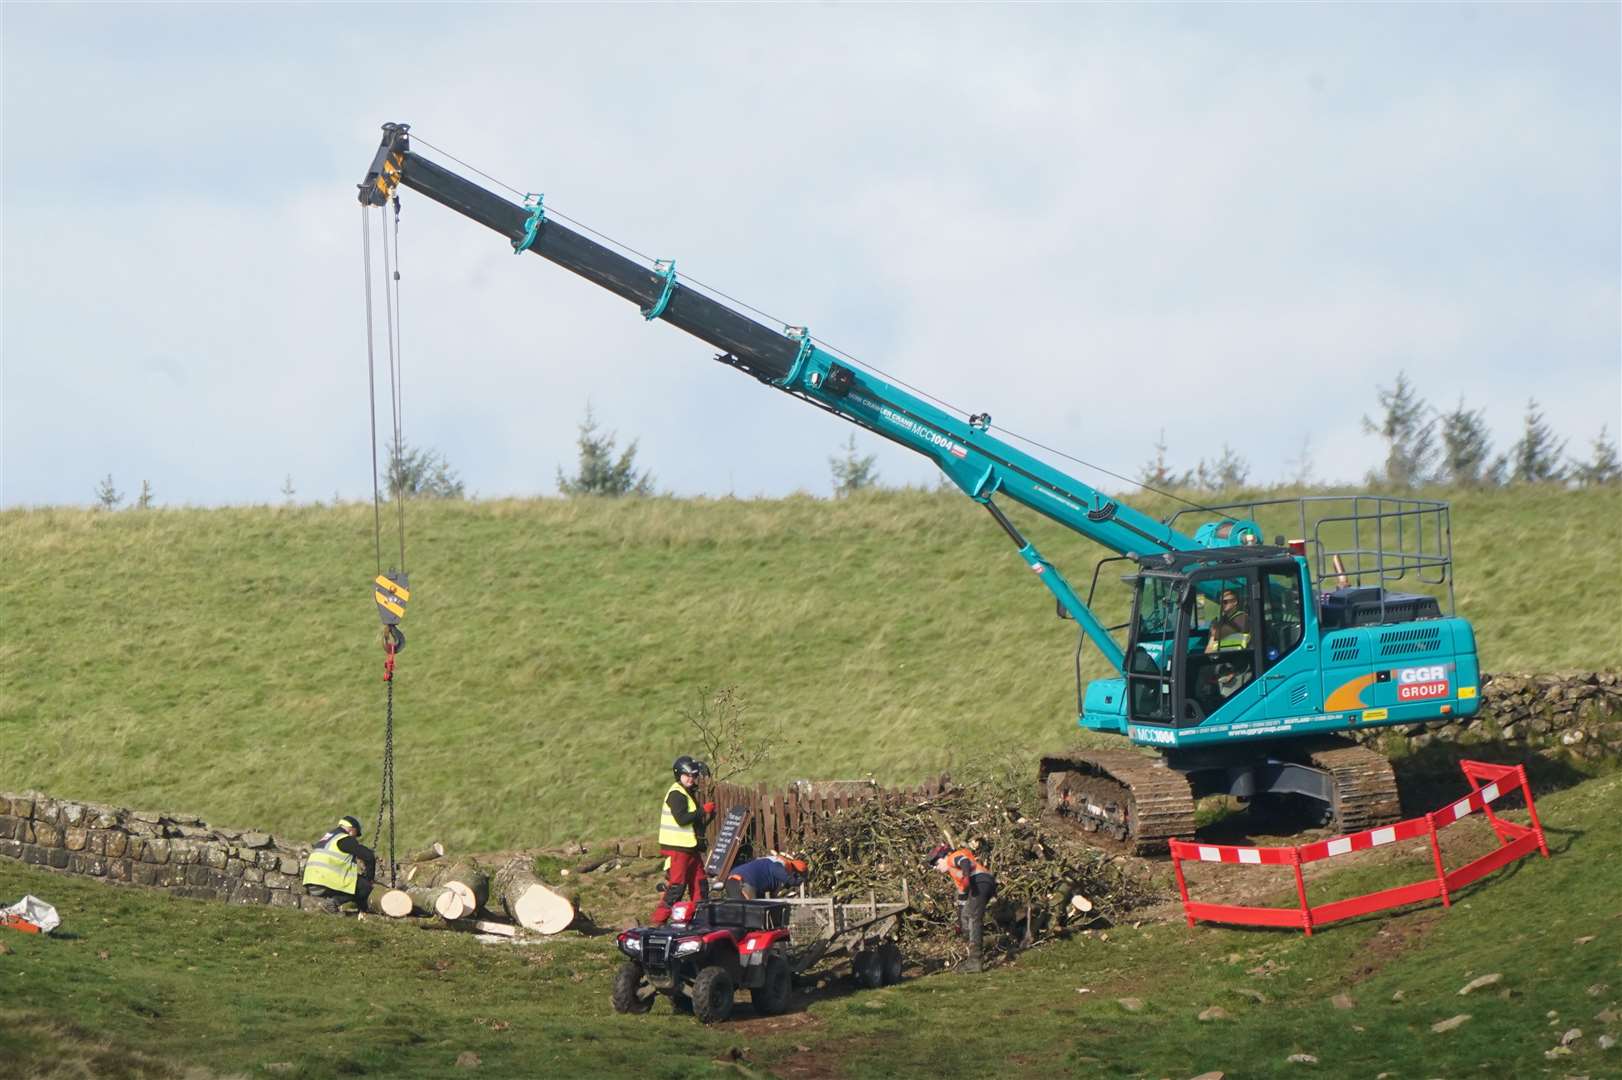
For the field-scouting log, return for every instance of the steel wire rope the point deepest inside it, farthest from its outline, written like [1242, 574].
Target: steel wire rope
[391, 286]
[371, 386]
[552, 211]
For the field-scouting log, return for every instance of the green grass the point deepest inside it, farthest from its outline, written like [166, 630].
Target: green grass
[145, 985]
[225, 662]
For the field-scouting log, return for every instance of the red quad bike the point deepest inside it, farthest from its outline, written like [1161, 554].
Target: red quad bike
[709, 951]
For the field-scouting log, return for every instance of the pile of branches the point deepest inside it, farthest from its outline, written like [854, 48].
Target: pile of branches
[1048, 882]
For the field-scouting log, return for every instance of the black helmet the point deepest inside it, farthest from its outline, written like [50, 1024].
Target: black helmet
[689, 766]
[349, 821]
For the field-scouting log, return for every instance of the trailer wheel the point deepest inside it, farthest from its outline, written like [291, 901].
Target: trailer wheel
[770, 998]
[632, 993]
[867, 969]
[890, 963]
[712, 996]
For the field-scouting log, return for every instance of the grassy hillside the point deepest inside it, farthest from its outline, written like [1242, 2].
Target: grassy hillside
[143, 985]
[226, 663]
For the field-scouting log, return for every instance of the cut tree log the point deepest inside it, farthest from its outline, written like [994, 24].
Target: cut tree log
[394, 903]
[530, 903]
[464, 875]
[431, 900]
[428, 855]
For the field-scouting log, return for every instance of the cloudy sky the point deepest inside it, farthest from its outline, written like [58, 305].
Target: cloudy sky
[1098, 223]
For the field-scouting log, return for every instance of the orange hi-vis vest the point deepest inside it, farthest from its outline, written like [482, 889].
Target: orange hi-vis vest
[959, 877]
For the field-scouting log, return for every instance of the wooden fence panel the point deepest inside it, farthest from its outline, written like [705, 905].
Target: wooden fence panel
[788, 820]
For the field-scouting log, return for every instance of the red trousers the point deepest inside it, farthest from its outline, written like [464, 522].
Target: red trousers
[685, 881]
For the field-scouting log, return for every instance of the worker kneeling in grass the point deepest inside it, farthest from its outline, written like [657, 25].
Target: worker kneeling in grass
[340, 867]
[681, 836]
[764, 877]
[975, 888]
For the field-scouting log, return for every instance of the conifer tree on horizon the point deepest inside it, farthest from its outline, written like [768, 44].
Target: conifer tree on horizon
[1466, 447]
[107, 496]
[419, 473]
[1227, 473]
[1157, 474]
[1602, 468]
[1408, 425]
[852, 472]
[1535, 457]
[598, 472]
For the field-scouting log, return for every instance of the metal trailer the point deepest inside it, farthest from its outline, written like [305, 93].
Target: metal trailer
[866, 930]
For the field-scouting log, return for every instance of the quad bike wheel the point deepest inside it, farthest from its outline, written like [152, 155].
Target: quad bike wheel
[632, 993]
[712, 996]
[770, 998]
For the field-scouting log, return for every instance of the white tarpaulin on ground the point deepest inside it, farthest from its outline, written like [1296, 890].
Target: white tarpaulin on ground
[35, 911]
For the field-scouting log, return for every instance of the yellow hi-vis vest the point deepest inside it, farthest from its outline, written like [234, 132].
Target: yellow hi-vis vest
[331, 868]
[1233, 641]
[672, 835]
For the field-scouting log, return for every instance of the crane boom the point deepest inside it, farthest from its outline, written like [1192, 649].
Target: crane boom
[964, 448]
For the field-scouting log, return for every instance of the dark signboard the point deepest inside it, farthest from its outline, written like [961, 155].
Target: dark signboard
[726, 842]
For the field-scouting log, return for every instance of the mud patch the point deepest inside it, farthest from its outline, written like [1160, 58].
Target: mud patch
[1391, 941]
[820, 1062]
[775, 1025]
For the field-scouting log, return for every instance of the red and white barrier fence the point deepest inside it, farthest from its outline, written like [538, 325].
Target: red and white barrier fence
[1515, 842]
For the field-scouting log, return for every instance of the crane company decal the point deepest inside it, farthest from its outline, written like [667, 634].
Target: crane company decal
[929, 435]
[1422, 683]
[1057, 498]
[1162, 736]
[1265, 726]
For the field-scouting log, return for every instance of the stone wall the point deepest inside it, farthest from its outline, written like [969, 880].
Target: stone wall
[181, 855]
[1572, 715]
[1576, 715]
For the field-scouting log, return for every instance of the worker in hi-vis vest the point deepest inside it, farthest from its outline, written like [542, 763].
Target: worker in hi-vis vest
[1231, 629]
[340, 867]
[681, 836]
[975, 888]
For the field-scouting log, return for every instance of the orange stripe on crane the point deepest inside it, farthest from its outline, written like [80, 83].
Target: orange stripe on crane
[1349, 695]
[398, 590]
[389, 605]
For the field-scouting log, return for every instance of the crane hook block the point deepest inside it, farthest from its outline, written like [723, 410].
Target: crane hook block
[383, 178]
[666, 269]
[391, 594]
[533, 202]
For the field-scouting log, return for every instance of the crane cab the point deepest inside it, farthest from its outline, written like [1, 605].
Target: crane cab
[1233, 645]
[1211, 632]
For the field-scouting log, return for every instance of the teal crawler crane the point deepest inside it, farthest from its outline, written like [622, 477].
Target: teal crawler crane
[1244, 663]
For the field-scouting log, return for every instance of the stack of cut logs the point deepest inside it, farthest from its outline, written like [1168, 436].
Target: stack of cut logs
[457, 889]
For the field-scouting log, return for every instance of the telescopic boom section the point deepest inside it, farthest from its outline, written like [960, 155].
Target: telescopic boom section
[964, 449]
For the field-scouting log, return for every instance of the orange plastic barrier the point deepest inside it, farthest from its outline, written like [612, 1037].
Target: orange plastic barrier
[1487, 783]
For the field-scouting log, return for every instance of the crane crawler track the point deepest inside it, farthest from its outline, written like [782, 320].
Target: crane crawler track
[1365, 788]
[1119, 795]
